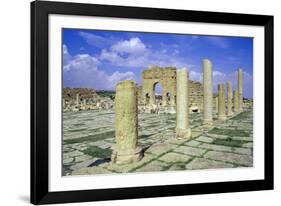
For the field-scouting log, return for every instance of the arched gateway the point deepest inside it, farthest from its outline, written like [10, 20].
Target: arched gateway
[164, 76]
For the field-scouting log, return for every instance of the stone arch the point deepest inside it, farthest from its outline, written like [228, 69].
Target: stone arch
[166, 77]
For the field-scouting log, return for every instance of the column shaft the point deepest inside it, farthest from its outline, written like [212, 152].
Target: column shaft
[229, 99]
[126, 124]
[221, 92]
[182, 129]
[240, 89]
[207, 91]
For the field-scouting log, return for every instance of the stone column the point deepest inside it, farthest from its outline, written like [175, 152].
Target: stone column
[182, 129]
[240, 89]
[77, 99]
[236, 101]
[84, 101]
[207, 92]
[217, 104]
[229, 99]
[221, 92]
[126, 124]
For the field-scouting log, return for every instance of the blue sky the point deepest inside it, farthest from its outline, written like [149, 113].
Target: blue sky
[100, 59]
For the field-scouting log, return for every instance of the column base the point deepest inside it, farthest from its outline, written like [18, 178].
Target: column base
[127, 157]
[222, 117]
[183, 133]
[207, 122]
[230, 114]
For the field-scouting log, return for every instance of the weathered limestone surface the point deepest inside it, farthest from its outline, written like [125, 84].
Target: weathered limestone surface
[77, 99]
[149, 102]
[236, 101]
[216, 104]
[207, 91]
[221, 92]
[229, 99]
[166, 77]
[126, 122]
[182, 129]
[89, 137]
[240, 89]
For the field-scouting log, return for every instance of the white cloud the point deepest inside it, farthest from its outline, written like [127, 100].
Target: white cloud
[132, 46]
[218, 41]
[95, 40]
[82, 71]
[134, 53]
[196, 76]
[218, 74]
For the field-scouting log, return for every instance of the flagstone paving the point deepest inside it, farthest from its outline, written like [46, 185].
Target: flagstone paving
[89, 137]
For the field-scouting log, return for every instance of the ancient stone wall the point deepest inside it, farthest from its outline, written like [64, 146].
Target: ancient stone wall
[164, 76]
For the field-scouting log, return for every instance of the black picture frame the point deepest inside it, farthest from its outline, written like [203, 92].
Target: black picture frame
[39, 102]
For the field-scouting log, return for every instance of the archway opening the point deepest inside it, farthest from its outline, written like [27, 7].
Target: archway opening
[147, 98]
[157, 90]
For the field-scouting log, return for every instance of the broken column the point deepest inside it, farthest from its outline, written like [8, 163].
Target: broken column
[207, 91]
[240, 89]
[77, 99]
[236, 101]
[221, 93]
[182, 128]
[229, 99]
[126, 124]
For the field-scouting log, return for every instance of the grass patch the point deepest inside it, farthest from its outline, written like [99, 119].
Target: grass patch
[90, 138]
[229, 132]
[240, 116]
[77, 130]
[95, 151]
[229, 142]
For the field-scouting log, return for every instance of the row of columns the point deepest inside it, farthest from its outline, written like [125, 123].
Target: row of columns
[126, 111]
[220, 100]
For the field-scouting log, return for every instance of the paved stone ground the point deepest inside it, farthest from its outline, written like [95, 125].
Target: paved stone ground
[89, 137]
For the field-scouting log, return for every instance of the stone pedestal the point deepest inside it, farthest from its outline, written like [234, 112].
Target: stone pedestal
[236, 101]
[182, 128]
[221, 93]
[229, 99]
[126, 124]
[240, 89]
[207, 92]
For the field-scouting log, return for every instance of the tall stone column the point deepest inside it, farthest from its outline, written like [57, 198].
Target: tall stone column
[236, 101]
[207, 91]
[126, 124]
[216, 104]
[240, 89]
[77, 99]
[182, 129]
[229, 99]
[221, 92]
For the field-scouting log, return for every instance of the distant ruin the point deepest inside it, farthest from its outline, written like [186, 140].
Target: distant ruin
[167, 78]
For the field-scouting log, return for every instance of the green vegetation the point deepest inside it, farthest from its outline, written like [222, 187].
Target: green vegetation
[229, 132]
[90, 138]
[240, 116]
[229, 142]
[104, 93]
[95, 151]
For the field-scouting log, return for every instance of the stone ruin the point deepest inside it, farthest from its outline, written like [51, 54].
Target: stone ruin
[175, 83]
[79, 99]
[149, 102]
